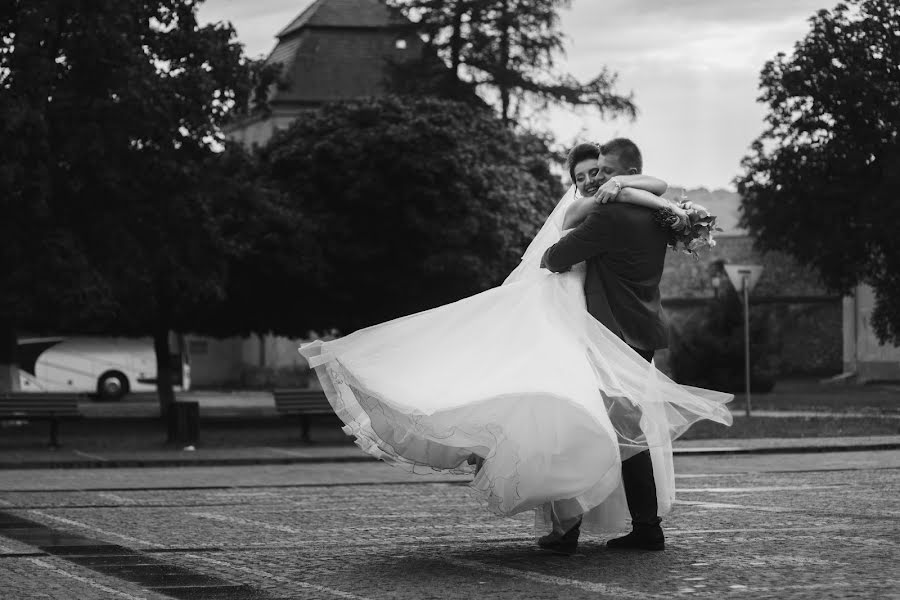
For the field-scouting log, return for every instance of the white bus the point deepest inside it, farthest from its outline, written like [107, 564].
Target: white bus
[108, 368]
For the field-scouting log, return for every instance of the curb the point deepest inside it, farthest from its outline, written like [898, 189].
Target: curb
[132, 463]
[236, 462]
[786, 449]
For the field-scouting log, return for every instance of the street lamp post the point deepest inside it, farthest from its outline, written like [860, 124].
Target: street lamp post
[745, 288]
[743, 278]
[716, 281]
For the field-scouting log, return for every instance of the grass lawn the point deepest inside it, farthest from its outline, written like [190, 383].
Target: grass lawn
[150, 434]
[794, 427]
[147, 434]
[874, 405]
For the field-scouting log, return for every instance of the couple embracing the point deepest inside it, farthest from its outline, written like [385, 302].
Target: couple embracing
[544, 386]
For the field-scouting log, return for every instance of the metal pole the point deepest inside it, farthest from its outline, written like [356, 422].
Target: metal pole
[746, 291]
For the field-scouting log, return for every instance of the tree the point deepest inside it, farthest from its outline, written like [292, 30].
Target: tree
[116, 112]
[413, 203]
[822, 181]
[511, 47]
[271, 259]
[46, 280]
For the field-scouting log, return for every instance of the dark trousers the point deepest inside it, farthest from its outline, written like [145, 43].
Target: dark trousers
[638, 480]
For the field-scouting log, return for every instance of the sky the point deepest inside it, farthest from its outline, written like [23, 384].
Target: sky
[693, 66]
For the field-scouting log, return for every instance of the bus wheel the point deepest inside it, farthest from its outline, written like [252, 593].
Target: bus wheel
[112, 386]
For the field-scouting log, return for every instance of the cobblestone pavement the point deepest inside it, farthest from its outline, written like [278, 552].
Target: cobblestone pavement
[774, 526]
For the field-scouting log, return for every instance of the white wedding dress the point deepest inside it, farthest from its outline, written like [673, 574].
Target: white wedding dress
[525, 377]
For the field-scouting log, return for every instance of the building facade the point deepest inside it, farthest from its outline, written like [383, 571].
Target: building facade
[865, 358]
[334, 50]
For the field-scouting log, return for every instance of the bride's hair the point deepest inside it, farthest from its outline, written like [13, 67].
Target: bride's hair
[579, 153]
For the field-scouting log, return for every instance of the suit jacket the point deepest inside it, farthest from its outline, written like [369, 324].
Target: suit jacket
[625, 250]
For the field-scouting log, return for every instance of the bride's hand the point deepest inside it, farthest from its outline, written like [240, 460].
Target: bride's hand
[683, 219]
[609, 191]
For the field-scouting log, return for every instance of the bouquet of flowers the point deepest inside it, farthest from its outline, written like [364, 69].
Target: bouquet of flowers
[691, 228]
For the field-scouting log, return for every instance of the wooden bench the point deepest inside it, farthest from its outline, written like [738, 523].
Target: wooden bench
[302, 403]
[40, 406]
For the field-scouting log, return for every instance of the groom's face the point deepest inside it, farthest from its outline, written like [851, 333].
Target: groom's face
[587, 176]
[611, 166]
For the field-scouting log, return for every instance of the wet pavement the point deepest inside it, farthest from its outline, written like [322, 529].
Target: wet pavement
[823, 525]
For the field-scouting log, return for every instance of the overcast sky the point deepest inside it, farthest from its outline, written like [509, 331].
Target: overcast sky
[693, 66]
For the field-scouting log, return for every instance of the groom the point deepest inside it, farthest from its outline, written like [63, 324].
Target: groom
[625, 251]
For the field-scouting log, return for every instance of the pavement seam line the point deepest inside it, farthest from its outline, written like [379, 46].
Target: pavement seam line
[278, 578]
[822, 528]
[85, 580]
[297, 453]
[590, 586]
[74, 523]
[240, 521]
[755, 489]
[714, 505]
[90, 456]
[286, 529]
[129, 538]
[117, 498]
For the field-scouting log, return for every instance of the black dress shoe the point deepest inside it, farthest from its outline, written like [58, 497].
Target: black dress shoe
[476, 460]
[561, 543]
[551, 539]
[642, 537]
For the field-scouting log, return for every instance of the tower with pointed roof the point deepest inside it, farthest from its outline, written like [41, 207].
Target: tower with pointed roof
[334, 50]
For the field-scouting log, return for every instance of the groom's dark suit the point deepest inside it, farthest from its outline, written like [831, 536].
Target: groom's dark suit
[625, 250]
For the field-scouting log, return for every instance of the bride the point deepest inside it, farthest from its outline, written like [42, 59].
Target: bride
[522, 379]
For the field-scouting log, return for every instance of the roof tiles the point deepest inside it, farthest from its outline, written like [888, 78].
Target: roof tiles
[346, 14]
[341, 49]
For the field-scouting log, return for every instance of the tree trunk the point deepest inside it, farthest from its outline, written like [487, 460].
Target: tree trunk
[164, 389]
[9, 368]
[262, 350]
[456, 40]
[503, 71]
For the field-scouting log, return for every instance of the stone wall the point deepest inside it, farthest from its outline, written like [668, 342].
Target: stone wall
[689, 277]
[864, 354]
[805, 321]
[806, 335]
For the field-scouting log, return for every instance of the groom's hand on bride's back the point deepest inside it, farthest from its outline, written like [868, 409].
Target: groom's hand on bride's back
[544, 265]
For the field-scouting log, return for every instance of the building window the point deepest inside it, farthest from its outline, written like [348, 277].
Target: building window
[400, 44]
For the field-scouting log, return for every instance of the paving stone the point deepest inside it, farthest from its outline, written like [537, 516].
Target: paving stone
[50, 578]
[779, 527]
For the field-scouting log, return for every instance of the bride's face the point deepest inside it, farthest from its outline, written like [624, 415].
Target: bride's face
[587, 176]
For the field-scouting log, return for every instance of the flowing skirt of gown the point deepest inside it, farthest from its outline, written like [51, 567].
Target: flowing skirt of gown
[525, 377]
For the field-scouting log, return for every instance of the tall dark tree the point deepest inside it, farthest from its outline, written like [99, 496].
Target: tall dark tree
[46, 280]
[512, 48]
[822, 181]
[272, 259]
[115, 110]
[412, 203]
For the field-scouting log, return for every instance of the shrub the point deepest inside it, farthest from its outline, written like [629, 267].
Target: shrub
[708, 349]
